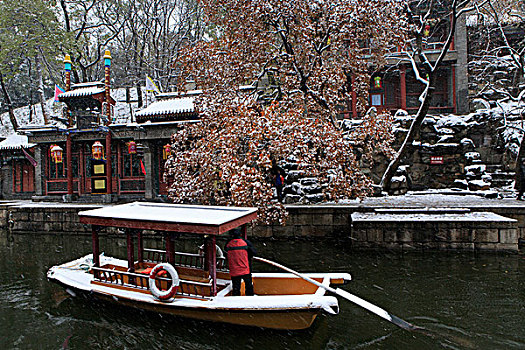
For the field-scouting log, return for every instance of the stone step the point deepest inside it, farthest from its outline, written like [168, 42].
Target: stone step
[501, 182]
[502, 175]
[494, 168]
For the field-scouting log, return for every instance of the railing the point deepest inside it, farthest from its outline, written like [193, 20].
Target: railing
[59, 186]
[140, 281]
[181, 259]
[132, 185]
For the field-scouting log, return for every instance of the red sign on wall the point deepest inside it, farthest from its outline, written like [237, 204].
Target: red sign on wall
[436, 160]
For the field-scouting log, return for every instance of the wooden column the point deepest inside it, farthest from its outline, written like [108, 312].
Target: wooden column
[454, 103]
[148, 177]
[96, 251]
[211, 255]
[170, 249]
[41, 158]
[119, 166]
[403, 86]
[69, 153]
[131, 251]
[81, 171]
[140, 246]
[244, 231]
[108, 163]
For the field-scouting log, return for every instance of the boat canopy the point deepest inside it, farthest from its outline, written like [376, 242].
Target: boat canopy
[196, 219]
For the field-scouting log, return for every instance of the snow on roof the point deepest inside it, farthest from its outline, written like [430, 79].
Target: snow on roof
[421, 217]
[88, 84]
[170, 213]
[170, 95]
[85, 91]
[171, 106]
[16, 141]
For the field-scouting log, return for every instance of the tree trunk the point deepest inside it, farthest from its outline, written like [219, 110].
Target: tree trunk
[40, 90]
[139, 95]
[8, 103]
[29, 75]
[414, 129]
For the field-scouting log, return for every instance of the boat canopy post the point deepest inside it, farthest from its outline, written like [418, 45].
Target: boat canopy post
[244, 231]
[131, 250]
[96, 251]
[170, 248]
[140, 246]
[211, 259]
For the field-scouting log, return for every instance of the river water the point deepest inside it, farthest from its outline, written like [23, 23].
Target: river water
[463, 300]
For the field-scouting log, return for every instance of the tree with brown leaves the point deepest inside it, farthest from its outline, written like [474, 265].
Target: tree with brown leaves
[297, 60]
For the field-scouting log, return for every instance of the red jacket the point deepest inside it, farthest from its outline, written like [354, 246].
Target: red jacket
[238, 260]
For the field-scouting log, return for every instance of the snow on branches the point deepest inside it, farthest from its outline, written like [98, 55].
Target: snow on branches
[228, 161]
[297, 60]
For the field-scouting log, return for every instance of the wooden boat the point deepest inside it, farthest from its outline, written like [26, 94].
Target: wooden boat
[199, 286]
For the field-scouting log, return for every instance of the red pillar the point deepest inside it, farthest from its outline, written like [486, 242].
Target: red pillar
[96, 252]
[244, 231]
[69, 150]
[454, 104]
[108, 163]
[140, 247]
[403, 87]
[211, 254]
[131, 251]
[170, 249]
[81, 171]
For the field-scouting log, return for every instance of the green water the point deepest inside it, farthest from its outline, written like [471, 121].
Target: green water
[463, 300]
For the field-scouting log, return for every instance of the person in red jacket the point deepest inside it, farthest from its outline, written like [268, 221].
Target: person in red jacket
[239, 253]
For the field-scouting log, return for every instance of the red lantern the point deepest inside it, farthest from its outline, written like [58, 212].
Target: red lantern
[132, 147]
[377, 83]
[97, 150]
[56, 153]
[166, 151]
[426, 32]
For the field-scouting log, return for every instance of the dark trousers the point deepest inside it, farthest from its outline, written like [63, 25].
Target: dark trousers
[236, 281]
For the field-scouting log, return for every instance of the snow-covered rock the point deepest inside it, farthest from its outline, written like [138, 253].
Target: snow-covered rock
[478, 185]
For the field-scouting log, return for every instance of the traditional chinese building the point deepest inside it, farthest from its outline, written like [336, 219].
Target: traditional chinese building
[18, 167]
[97, 157]
[396, 87]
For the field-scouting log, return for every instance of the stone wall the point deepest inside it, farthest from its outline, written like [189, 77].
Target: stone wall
[416, 229]
[495, 232]
[43, 218]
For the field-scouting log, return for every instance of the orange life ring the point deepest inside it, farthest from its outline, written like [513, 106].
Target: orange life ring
[155, 291]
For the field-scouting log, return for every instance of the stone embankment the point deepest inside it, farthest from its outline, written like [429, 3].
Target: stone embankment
[416, 223]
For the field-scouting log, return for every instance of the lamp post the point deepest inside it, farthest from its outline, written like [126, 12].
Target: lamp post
[67, 68]
[107, 66]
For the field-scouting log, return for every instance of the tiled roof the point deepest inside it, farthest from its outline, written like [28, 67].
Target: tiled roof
[88, 91]
[168, 107]
[15, 141]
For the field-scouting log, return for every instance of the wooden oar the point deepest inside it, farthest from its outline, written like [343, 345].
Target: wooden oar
[344, 294]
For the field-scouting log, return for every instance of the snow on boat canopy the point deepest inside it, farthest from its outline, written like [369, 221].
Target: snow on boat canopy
[195, 285]
[170, 217]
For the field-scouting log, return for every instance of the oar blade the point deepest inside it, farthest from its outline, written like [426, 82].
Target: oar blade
[376, 310]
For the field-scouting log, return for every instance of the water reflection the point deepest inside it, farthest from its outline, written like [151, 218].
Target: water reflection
[464, 300]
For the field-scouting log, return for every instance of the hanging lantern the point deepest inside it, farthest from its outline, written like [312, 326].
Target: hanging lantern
[426, 32]
[56, 153]
[97, 150]
[166, 151]
[377, 83]
[132, 147]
